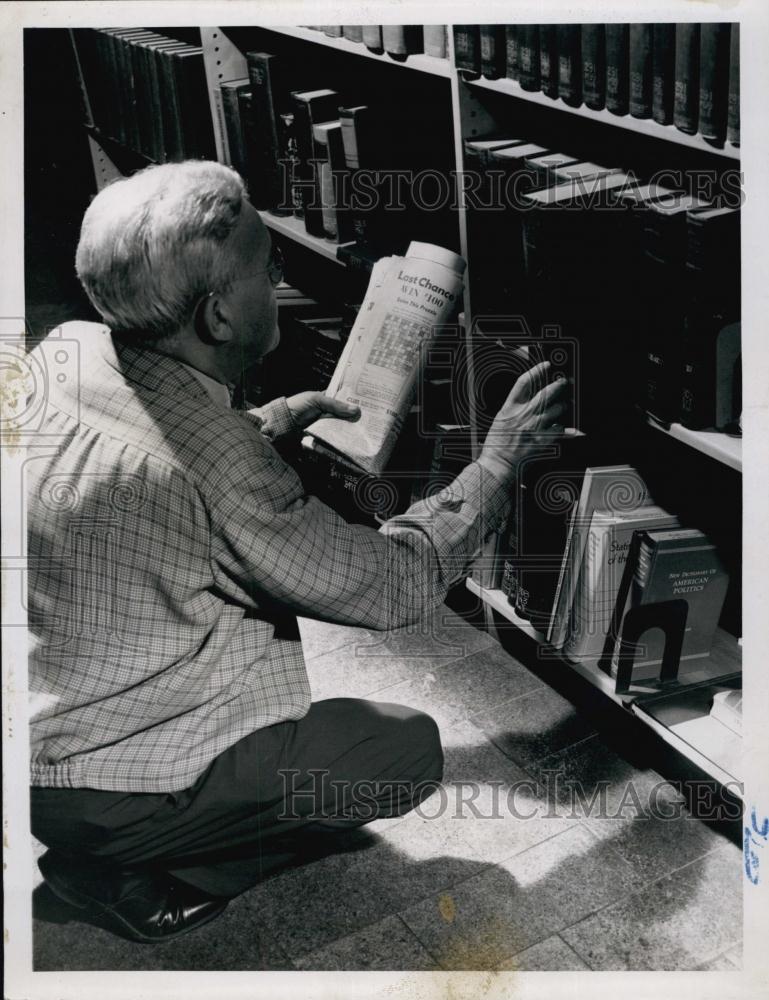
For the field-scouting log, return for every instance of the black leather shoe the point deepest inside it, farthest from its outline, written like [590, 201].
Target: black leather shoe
[136, 903]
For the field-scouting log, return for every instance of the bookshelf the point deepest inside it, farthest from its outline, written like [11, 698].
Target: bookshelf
[417, 61]
[481, 107]
[293, 229]
[621, 123]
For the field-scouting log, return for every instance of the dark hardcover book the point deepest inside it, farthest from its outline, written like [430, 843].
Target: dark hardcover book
[528, 57]
[641, 80]
[594, 65]
[675, 564]
[123, 124]
[436, 42]
[311, 107]
[402, 40]
[271, 81]
[714, 82]
[290, 202]
[150, 59]
[663, 72]
[169, 97]
[231, 90]
[548, 59]
[512, 67]
[372, 37]
[195, 125]
[663, 269]
[570, 64]
[493, 51]
[687, 86]
[467, 49]
[618, 68]
[548, 486]
[713, 279]
[143, 94]
[733, 104]
[352, 32]
[359, 141]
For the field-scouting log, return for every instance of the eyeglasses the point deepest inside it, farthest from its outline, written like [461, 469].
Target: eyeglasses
[274, 268]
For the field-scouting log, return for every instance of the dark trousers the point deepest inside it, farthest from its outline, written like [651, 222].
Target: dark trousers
[263, 804]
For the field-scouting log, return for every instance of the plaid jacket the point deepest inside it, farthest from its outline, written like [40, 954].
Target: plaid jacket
[170, 548]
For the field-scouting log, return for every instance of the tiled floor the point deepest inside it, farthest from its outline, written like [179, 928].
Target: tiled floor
[497, 870]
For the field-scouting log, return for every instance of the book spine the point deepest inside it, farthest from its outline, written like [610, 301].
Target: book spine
[306, 114]
[332, 30]
[402, 40]
[352, 32]
[594, 65]
[733, 113]
[512, 32]
[663, 72]
[195, 122]
[372, 37]
[687, 86]
[617, 68]
[267, 86]
[143, 101]
[714, 82]
[234, 128]
[435, 40]
[548, 59]
[467, 48]
[640, 45]
[493, 51]
[528, 57]
[570, 64]
[220, 122]
[290, 197]
[172, 130]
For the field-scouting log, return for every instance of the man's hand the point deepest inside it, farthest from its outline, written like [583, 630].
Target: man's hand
[309, 406]
[528, 418]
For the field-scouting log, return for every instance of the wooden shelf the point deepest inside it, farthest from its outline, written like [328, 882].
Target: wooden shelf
[672, 713]
[289, 225]
[722, 447]
[641, 126]
[418, 61]
[498, 600]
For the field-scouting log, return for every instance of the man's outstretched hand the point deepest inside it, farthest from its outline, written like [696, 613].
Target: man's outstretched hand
[309, 406]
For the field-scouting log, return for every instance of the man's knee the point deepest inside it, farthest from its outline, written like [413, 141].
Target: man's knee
[416, 738]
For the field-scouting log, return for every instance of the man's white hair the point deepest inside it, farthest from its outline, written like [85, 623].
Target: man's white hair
[153, 244]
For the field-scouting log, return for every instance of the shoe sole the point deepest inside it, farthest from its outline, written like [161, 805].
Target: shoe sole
[82, 901]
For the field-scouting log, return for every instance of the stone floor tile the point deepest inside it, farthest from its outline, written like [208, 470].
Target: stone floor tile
[677, 922]
[550, 955]
[386, 945]
[489, 918]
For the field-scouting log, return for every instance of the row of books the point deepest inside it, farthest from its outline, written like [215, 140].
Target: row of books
[397, 40]
[684, 74]
[586, 545]
[642, 279]
[312, 152]
[147, 92]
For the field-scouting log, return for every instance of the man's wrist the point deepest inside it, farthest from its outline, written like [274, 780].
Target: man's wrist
[498, 467]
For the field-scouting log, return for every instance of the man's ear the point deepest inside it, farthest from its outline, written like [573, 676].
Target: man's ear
[212, 322]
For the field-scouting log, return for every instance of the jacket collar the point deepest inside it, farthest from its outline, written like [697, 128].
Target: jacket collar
[150, 369]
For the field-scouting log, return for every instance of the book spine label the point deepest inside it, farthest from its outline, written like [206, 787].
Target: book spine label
[511, 51]
[714, 82]
[221, 128]
[663, 73]
[687, 86]
[594, 66]
[528, 57]
[548, 59]
[733, 114]
[467, 48]
[617, 68]
[493, 52]
[640, 99]
[570, 64]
